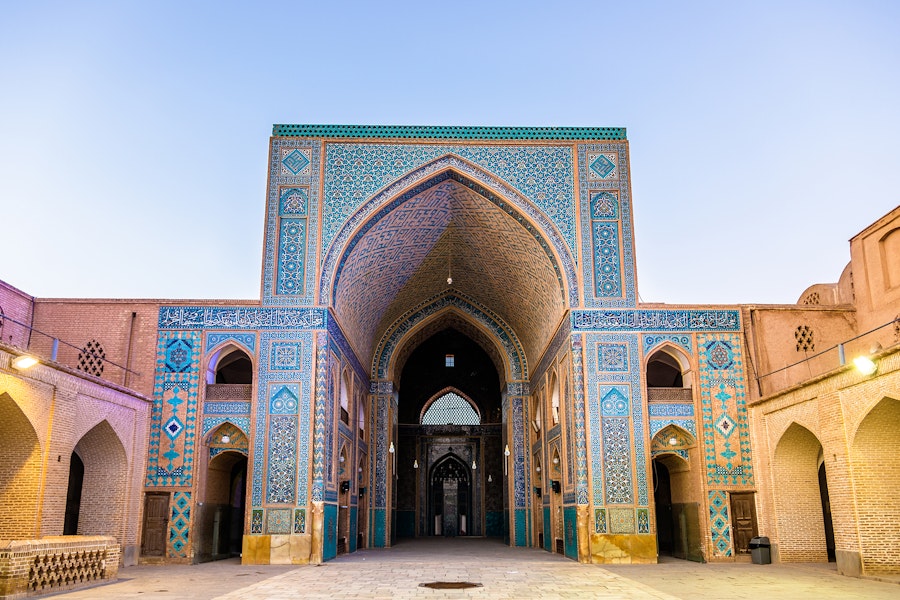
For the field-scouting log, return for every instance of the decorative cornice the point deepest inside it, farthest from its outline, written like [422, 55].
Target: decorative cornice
[656, 320]
[448, 133]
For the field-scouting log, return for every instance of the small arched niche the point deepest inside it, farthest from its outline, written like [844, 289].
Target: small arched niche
[229, 365]
[668, 376]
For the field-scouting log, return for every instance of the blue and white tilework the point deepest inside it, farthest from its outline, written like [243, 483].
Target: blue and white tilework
[247, 340]
[683, 341]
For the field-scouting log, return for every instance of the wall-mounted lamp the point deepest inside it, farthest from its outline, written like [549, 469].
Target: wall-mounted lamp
[391, 449]
[225, 439]
[555, 460]
[24, 362]
[537, 469]
[415, 464]
[474, 466]
[490, 479]
[506, 460]
[673, 441]
[865, 365]
[554, 485]
[341, 458]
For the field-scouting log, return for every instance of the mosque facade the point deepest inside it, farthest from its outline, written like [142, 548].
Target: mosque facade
[449, 342]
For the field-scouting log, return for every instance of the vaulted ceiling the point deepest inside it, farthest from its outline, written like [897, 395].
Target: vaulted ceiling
[448, 230]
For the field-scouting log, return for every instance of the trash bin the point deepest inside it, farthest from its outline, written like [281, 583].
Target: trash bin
[760, 551]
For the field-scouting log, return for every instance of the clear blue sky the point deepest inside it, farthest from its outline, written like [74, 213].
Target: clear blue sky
[133, 135]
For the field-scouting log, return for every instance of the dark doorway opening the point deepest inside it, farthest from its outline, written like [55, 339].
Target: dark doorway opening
[73, 495]
[662, 487]
[826, 513]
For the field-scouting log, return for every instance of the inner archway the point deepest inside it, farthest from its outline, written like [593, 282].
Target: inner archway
[448, 472]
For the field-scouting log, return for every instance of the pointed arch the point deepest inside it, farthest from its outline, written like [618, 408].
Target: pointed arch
[437, 405]
[228, 353]
[668, 358]
[495, 336]
[20, 472]
[105, 478]
[487, 185]
[876, 482]
[799, 516]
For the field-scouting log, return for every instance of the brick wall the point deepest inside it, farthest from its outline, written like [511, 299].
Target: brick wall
[877, 477]
[47, 413]
[15, 304]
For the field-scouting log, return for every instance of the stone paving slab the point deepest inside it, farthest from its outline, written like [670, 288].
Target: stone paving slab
[507, 573]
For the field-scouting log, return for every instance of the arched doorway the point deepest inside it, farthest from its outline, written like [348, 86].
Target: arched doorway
[20, 472]
[104, 481]
[449, 430]
[219, 517]
[801, 522]
[877, 483]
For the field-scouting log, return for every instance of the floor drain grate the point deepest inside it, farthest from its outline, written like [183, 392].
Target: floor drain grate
[450, 585]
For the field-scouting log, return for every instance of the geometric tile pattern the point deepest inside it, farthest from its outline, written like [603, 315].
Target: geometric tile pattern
[284, 398]
[617, 462]
[278, 521]
[604, 205]
[689, 425]
[600, 385]
[652, 339]
[447, 132]
[726, 431]
[293, 192]
[720, 525]
[282, 467]
[501, 332]
[256, 521]
[543, 174]
[285, 356]
[581, 471]
[621, 520]
[423, 240]
[175, 407]
[607, 279]
[248, 340]
[318, 483]
[293, 201]
[291, 256]
[179, 525]
[612, 357]
[210, 423]
[226, 408]
[287, 399]
[606, 227]
[666, 409]
[614, 400]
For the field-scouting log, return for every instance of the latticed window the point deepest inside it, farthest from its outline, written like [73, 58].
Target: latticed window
[90, 359]
[451, 409]
[804, 337]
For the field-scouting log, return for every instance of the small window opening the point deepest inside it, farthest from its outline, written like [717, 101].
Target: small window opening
[449, 360]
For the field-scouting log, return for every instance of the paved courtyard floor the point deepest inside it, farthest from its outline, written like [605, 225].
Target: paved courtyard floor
[502, 572]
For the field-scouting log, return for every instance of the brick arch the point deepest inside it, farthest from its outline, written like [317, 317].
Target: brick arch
[20, 472]
[876, 476]
[798, 504]
[485, 183]
[225, 348]
[105, 477]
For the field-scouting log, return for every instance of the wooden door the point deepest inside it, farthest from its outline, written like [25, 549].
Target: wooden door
[743, 521]
[156, 524]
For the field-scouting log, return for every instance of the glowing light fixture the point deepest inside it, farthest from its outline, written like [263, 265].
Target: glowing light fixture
[506, 451]
[415, 464]
[226, 438]
[673, 441]
[24, 362]
[865, 365]
[391, 449]
[474, 466]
